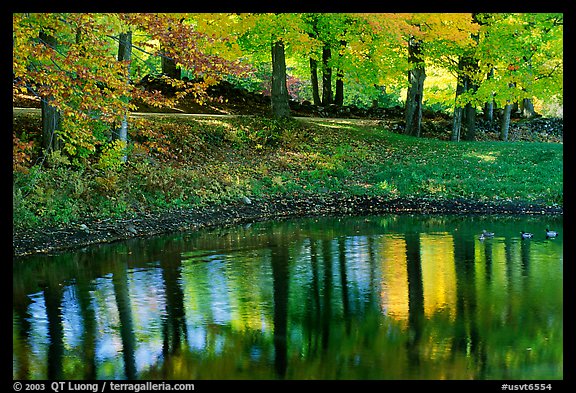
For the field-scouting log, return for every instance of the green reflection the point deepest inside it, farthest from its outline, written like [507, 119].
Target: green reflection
[391, 297]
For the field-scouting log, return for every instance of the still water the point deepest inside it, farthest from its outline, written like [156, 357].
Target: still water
[387, 297]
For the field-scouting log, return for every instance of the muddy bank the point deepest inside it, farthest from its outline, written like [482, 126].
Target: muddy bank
[81, 234]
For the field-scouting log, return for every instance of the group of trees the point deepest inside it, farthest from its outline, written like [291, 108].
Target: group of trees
[83, 65]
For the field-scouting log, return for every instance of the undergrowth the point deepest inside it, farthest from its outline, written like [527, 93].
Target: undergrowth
[199, 162]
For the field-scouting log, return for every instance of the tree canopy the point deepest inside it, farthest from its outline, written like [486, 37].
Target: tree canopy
[71, 60]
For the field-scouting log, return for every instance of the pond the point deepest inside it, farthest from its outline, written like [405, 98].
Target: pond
[391, 297]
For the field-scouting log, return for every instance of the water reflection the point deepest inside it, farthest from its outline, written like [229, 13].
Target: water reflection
[392, 297]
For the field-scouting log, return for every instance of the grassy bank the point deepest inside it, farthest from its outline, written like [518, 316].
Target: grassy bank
[199, 162]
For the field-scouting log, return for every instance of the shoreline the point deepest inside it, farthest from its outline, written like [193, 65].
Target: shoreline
[49, 240]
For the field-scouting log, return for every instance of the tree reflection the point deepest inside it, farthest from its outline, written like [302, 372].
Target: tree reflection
[89, 321]
[488, 261]
[174, 323]
[525, 257]
[280, 281]
[313, 314]
[415, 294]
[344, 283]
[121, 292]
[22, 334]
[53, 299]
[415, 297]
[466, 331]
[327, 295]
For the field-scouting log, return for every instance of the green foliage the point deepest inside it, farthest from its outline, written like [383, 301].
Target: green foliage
[215, 166]
[112, 155]
[264, 132]
[77, 69]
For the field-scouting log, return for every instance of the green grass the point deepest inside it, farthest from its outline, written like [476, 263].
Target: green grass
[199, 162]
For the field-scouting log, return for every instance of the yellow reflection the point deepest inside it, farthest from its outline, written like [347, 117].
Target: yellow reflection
[438, 274]
[394, 291]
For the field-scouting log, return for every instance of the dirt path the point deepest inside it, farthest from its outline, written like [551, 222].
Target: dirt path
[37, 111]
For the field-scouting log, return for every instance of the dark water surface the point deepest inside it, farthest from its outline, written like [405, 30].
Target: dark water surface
[387, 297]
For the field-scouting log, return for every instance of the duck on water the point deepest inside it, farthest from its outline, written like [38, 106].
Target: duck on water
[485, 234]
[550, 233]
[526, 235]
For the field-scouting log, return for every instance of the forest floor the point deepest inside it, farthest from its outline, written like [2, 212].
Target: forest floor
[59, 238]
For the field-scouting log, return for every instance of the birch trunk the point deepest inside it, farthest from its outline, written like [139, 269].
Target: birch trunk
[124, 54]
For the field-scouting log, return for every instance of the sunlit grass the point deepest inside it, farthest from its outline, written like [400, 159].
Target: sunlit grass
[212, 161]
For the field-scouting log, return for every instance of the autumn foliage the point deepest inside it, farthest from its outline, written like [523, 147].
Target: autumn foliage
[70, 60]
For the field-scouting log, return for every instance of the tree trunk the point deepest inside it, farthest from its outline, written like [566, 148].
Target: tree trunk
[279, 100]
[326, 76]
[51, 117]
[470, 122]
[50, 124]
[314, 81]
[528, 111]
[527, 106]
[507, 112]
[505, 125]
[339, 94]
[414, 96]
[489, 106]
[461, 87]
[124, 54]
[169, 67]
[472, 72]
[456, 124]
[467, 67]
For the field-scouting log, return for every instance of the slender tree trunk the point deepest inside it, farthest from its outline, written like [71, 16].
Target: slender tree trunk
[124, 54]
[326, 76]
[456, 124]
[414, 96]
[461, 87]
[472, 72]
[489, 106]
[280, 106]
[314, 81]
[51, 116]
